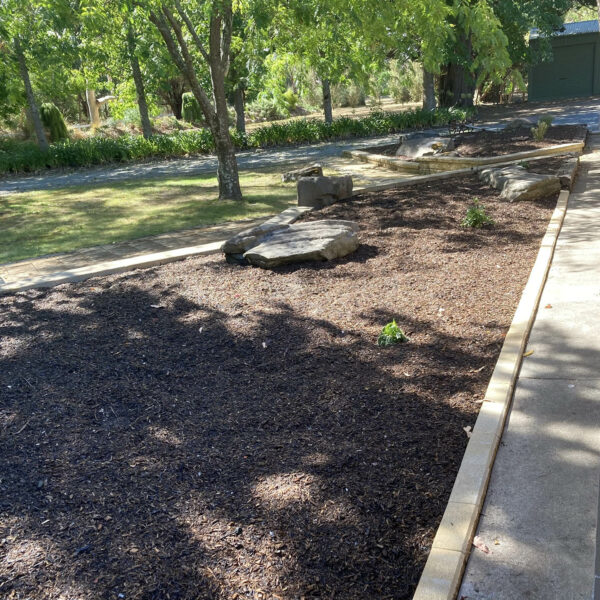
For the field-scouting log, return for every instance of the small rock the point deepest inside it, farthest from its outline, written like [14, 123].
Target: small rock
[315, 170]
[518, 124]
[318, 192]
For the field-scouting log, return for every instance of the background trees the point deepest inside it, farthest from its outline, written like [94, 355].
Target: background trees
[263, 58]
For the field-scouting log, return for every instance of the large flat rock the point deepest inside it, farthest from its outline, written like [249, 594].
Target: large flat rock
[424, 145]
[300, 242]
[516, 183]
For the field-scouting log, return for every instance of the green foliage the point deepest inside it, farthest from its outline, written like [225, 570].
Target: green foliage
[27, 157]
[190, 110]
[546, 119]
[540, 130]
[348, 94]
[272, 105]
[406, 81]
[54, 122]
[391, 334]
[476, 216]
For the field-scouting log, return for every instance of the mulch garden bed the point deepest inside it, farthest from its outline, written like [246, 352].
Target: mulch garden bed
[499, 143]
[202, 430]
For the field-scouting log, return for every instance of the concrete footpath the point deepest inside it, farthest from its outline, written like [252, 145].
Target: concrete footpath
[540, 516]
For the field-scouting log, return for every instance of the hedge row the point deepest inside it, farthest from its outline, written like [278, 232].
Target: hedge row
[18, 157]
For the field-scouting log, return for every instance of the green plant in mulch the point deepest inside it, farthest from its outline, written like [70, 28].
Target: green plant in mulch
[391, 334]
[539, 131]
[476, 216]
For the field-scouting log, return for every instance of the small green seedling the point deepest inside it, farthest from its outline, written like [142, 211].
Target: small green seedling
[549, 119]
[539, 132]
[391, 334]
[476, 216]
[524, 164]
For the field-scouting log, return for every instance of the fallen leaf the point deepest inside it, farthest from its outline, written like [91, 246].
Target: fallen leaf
[496, 542]
[479, 543]
[156, 306]
[468, 431]
[548, 306]
[528, 353]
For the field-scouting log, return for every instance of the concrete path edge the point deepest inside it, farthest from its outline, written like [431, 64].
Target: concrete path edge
[451, 546]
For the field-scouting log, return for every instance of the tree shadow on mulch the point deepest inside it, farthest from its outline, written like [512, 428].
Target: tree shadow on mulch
[151, 449]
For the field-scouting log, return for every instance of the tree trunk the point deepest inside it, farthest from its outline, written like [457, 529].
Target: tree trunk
[240, 114]
[227, 169]
[217, 59]
[139, 84]
[33, 109]
[327, 108]
[93, 109]
[428, 90]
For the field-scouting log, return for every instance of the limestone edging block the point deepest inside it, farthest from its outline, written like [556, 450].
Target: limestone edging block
[443, 571]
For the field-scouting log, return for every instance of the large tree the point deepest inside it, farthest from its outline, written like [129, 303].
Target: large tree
[201, 32]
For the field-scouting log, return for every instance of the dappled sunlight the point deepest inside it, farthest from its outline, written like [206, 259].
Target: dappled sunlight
[43, 222]
[162, 434]
[285, 489]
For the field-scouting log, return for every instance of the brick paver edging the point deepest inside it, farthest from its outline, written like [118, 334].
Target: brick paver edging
[443, 571]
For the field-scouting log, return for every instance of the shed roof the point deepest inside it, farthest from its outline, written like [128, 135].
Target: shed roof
[570, 29]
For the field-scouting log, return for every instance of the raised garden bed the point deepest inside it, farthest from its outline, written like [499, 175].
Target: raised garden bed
[202, 430]
[499, 143]
[480, 149]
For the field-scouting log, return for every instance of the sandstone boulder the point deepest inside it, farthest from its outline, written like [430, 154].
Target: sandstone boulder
[309, 171]
[567, 172]
[516, 183]
[300, 242]
[518, 124]
[424, 145]
[318, 192]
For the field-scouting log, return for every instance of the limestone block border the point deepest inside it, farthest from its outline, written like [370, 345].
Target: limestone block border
[436, 164]
[443, 571]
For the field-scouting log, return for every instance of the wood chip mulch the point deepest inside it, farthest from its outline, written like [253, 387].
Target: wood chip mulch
[498, 143]
[201, 430]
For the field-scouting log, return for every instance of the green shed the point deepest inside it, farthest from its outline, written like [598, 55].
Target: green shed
[575, 68]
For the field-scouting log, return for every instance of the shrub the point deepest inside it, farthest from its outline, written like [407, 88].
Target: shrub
[97, 150]
[54, 122]
[190, 109]
[549, 119]
[391, 334]
[348, 95]
[476, 216]
[539, 132]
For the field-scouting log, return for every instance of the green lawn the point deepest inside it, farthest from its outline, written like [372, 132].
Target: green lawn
[45, 222]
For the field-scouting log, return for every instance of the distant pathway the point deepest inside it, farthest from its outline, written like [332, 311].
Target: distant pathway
[186, 166]
[586, 111]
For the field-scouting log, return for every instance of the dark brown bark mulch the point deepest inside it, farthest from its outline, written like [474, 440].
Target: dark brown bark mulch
[201, 430]
[498, 143]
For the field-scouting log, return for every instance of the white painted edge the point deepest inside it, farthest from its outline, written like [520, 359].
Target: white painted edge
[451, 546]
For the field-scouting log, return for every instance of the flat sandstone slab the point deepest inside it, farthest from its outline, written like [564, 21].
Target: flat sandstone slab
[516, 183]
[316, 240]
